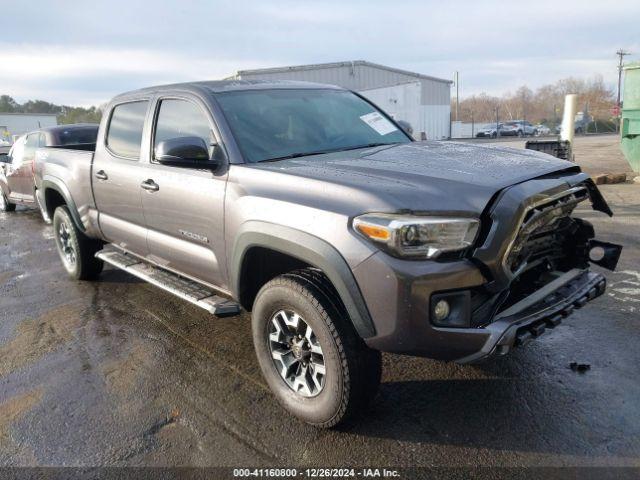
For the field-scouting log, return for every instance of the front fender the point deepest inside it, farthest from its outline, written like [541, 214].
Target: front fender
[309, 249]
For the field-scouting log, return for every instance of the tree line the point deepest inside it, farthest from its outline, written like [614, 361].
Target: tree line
[65, 113]
[544, 105]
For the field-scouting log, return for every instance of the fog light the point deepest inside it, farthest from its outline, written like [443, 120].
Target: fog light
[441, 310]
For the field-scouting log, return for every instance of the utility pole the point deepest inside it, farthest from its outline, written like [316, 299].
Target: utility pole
[457, 76]
[621, 54]
[497, 123]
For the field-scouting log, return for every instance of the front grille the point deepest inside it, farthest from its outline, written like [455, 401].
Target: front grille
[543, 230]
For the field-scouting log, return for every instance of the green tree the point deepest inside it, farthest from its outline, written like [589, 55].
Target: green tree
[8, 104]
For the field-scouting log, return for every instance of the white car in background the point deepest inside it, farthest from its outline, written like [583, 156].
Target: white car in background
[488, 131]
[542, 130]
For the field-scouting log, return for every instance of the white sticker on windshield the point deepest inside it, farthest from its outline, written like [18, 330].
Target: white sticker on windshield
[378, 123]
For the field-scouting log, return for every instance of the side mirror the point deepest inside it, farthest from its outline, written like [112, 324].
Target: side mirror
[184, 152]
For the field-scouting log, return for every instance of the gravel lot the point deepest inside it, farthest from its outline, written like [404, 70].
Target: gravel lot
[594, 153]
[118, 372]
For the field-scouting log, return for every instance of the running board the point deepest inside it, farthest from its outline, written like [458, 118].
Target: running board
[184, 288]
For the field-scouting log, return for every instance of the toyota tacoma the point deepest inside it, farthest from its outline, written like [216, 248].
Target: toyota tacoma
[309, 207]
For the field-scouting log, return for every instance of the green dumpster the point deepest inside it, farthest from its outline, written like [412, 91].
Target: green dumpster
[630, 122]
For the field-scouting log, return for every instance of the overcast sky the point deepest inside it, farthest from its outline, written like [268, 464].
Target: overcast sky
[83, 53]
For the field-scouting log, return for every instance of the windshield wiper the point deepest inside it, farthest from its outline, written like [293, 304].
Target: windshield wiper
[320, 152]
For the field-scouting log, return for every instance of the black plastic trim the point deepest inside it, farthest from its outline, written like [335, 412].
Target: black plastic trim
[59, 186]
[311, 250]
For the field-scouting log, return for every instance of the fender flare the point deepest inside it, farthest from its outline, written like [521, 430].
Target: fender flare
[311, 250]
[53, 183]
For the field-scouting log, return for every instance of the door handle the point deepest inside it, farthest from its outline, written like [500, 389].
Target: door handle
[150, 185]
[101, 175]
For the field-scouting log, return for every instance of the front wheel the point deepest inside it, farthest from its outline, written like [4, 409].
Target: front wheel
[317, 366]
[76, 250]
[5, 204]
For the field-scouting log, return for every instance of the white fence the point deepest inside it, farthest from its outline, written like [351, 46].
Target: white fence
[467, 130]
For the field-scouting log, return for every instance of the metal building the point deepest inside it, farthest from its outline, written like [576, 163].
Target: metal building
[422, 100]
[13, 125]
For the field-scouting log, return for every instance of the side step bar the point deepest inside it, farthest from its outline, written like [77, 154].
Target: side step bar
[184, 288]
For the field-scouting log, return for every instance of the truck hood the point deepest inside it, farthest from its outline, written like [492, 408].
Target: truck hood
[425, 176]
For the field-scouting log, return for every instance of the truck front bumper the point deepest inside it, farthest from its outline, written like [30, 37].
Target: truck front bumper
[546, 312]
[398, 295]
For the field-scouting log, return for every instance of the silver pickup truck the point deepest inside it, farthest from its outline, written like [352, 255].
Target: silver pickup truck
[311, 208]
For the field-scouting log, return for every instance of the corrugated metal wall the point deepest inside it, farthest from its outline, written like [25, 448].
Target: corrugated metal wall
[402, 102]
[358, 77]
[17, 124]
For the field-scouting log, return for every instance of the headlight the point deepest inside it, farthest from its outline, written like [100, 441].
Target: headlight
[413, 236]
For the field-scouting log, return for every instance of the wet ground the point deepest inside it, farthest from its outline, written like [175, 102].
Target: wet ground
[117, 372]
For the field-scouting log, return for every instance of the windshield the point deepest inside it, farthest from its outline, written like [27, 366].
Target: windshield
[275, 124]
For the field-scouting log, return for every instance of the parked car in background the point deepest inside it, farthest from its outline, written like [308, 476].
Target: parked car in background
[489, 131]
[581, 122]
[517, 128]
[17, 184]
[542, 130]
[310, 207]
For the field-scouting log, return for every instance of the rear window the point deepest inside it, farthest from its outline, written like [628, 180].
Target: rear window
[78, 136]
[124, 135]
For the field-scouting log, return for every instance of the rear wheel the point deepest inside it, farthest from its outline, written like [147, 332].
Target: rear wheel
[76, 250]
[5, 204]
[313, 360]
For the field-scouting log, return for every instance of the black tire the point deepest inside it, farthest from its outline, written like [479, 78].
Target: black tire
[352, 369]
[5, 204]
[76, 250]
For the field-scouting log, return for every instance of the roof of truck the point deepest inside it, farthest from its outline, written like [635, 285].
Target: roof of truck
[219, 86]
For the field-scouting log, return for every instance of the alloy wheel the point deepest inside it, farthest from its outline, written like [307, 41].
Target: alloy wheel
[296, 353]
[66, 244]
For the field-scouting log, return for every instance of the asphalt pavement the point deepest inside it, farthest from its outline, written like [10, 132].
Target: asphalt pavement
[117, 372]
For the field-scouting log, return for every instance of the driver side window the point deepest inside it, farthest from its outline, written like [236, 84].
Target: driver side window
[181, 118]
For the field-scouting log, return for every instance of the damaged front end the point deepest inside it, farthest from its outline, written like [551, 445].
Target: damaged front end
[537, 258]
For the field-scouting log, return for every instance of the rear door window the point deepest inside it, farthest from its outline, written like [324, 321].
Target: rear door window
[124, 136]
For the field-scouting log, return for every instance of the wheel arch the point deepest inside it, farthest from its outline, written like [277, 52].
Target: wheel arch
[308, 250]
[56, 194]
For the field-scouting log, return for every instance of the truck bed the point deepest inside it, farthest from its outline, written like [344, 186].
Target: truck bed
[70, 167]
